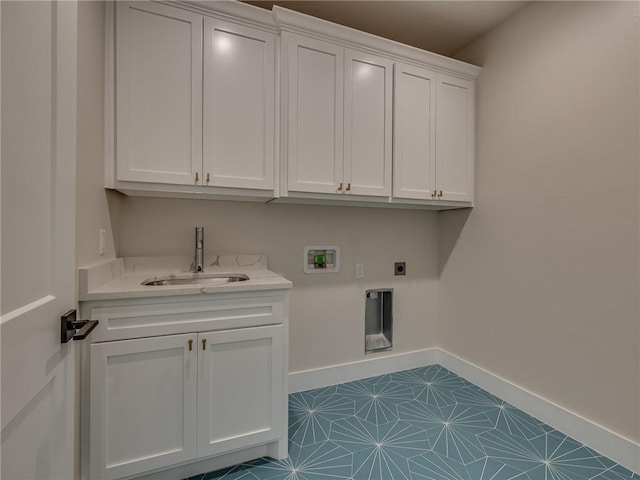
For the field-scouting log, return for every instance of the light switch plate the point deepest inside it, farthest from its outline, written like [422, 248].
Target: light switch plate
[103, 241]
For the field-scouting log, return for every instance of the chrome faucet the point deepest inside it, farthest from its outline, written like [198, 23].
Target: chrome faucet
[198, 263]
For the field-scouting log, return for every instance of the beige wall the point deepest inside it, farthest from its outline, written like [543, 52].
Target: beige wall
[326, 310]
[92, 209]
[540, 284]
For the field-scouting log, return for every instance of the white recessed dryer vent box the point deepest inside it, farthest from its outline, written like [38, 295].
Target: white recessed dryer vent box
[321, 259]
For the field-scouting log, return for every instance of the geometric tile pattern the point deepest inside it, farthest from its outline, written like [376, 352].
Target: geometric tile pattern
[420, 424]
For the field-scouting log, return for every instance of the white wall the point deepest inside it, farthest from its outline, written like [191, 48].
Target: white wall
[540, 283]
[93, 202]
[327, 310]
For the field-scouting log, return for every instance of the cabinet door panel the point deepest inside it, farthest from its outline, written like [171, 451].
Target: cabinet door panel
[240, 388]
[315, 115]
[414, 135]
[142, 405]
[367, 128]
[159, 101]
[239, 96]
[454, 138]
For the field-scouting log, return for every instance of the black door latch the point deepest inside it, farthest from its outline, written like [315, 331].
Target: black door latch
[76, 329]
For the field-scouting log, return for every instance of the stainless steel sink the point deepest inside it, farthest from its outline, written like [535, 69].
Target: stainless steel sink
[196, 278]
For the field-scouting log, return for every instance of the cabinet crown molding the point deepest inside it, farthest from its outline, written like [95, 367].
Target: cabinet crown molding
[299, 23]
[231, 10]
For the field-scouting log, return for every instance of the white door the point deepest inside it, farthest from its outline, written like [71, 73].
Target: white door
[414, 132]
[240, 388]
[367, 124]
[142, 405]
[454, 138]
[39, 41]
[314, 115]
[159, 94]
[239, 106]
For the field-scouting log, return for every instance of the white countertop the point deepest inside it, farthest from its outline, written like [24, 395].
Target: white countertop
[122, 278]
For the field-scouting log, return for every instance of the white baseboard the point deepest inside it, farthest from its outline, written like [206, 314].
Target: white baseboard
[370, 367]
[616, 447]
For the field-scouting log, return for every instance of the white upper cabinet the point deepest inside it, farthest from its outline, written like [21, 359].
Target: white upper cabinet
[433, 136]
[195, 101]
[198, 110]
[159, 93]
[414, 134]
[315, 115]
[367, 124]
[454, 138]
[239, 111]
[338, 119]
[370, 120]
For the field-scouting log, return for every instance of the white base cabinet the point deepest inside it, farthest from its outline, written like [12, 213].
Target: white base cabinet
[161, 401]
[240, 391]
[143, 405]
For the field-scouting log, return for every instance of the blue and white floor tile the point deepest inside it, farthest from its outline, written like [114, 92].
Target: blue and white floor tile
[420, 424]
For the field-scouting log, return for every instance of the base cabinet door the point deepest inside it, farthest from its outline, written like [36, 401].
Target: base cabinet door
[240, 388]
[143, 405]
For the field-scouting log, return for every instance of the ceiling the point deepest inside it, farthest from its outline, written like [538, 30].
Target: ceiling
[443, 27]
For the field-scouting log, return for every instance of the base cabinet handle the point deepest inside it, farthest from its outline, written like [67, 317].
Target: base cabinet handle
[204, 344]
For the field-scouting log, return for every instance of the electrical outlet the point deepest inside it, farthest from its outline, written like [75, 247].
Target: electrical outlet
[400, 268]
[359, 270]
[103, 241]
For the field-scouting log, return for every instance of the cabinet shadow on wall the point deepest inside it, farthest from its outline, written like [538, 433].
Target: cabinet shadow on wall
[451, 223]
[114, 204]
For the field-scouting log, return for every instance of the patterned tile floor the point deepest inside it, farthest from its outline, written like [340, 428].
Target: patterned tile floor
[426, 423]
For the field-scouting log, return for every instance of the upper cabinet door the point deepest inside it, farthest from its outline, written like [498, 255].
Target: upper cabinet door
[455, 138]
[368, 124]
[239, 98]
[314, 115]
[414, 134]
[159, 93]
